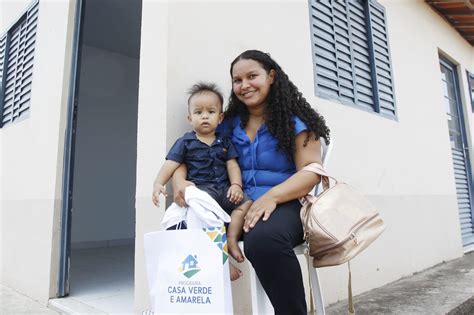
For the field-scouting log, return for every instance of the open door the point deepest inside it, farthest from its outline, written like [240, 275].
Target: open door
[68, 168]
[98, 205]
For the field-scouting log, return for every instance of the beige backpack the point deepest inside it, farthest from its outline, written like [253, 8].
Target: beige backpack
[339, 223]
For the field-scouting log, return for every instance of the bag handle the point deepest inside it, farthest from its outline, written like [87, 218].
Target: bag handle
[318, 169]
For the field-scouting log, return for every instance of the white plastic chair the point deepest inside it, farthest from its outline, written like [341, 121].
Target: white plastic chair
[260, 302]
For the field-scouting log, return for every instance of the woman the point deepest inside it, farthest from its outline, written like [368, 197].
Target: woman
[276, 133]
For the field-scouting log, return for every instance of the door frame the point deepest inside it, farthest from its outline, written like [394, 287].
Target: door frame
[69, 150]
[462, 121]
[470, 87]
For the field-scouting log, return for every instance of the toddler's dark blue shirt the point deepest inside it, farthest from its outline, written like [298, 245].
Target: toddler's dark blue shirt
[206, 164]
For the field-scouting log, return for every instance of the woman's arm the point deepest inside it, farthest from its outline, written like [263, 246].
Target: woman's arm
[300, 183]
[179, 185]
[294, 187]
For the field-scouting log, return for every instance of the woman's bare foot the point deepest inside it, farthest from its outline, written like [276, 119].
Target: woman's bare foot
[234, 249]
[235, 273]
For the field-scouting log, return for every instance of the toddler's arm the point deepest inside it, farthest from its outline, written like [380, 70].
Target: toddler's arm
[235, 192]
[164, 175]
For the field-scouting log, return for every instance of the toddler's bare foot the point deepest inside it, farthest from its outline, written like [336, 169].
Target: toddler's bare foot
[235, 273]
[234, 250]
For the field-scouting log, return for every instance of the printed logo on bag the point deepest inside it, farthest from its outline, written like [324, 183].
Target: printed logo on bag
[219, 237]
[189, 267]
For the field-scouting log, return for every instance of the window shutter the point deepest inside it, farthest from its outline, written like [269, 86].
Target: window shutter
[324, 48]
[362, 64]
[344, 52]
[19, 53]
[11, 73]
[382, 62]
[351, 55]
[3, 43]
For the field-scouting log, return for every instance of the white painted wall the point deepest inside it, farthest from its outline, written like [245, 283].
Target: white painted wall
[404, 166]
[152, 126]
[32, 152]
[106, 147]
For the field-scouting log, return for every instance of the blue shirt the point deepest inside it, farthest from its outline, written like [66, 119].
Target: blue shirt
[206, 164]
[261, 163]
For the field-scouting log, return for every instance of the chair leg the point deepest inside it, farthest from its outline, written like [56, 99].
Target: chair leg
[261, 304]
[317, 292]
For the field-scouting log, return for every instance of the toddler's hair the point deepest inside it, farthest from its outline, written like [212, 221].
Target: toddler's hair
[201, 87]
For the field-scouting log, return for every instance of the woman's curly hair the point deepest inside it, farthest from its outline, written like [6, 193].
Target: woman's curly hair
[283, 102]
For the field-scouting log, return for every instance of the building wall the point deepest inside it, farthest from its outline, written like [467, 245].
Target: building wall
[403, 165]
[104, 175]
[152, 128]
[31, 161]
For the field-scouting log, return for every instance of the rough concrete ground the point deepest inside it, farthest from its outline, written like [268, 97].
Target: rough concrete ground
[12, 302]
[445, 288]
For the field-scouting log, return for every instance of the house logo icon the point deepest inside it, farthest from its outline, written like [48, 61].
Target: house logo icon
[189, 266]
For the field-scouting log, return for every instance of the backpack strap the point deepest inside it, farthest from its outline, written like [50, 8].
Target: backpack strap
[351, 309]
[318, 169]
[309, 264]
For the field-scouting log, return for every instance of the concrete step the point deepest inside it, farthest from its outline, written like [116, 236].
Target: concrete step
[69, 305]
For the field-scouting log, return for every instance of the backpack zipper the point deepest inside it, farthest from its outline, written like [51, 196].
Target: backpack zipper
[305, 235]
[351, 236]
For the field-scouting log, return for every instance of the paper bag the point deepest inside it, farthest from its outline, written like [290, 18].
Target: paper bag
[188, 271]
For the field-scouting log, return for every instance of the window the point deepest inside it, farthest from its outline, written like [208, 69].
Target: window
[470, 82]
[17, 48]
[351, 54]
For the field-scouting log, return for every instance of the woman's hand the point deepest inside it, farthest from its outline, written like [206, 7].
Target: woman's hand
[263, 206]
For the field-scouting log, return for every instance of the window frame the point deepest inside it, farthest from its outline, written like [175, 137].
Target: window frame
[470, 76]
[320, 92]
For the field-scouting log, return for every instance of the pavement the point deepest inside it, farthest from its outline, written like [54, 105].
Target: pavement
[447, 288]
[12, 302]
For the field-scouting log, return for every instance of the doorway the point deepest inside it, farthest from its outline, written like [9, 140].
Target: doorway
[98, 240]
[459, 150]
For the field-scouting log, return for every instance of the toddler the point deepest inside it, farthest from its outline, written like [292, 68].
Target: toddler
[211, 163]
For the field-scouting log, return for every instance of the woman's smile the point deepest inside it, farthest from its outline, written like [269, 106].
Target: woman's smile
[248, 94]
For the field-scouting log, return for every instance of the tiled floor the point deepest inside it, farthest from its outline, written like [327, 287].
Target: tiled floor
[102, 278]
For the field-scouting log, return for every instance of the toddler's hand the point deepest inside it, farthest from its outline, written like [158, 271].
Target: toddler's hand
[157, 190]
[235, 194]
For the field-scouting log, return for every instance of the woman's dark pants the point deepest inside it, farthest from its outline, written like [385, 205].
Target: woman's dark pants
[269, 247]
